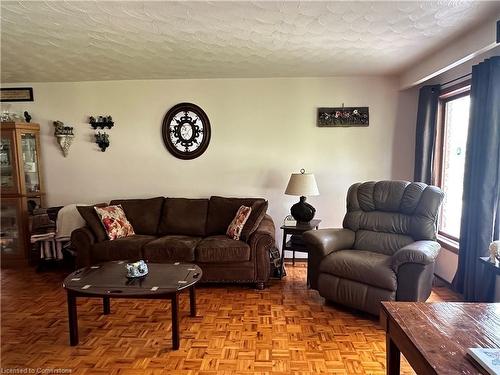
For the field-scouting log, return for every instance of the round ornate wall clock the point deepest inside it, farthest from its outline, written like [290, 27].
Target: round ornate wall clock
[186, 131]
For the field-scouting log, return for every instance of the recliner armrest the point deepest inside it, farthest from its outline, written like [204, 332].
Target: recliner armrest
[325, 241]
[421, 252]
[322, 242]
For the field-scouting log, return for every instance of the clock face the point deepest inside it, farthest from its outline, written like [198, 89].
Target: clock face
[186, 131]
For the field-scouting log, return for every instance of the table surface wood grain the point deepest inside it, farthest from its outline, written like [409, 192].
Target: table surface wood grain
[442, 332]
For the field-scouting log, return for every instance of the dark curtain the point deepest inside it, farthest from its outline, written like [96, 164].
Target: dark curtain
[481, 195]
[425, 135]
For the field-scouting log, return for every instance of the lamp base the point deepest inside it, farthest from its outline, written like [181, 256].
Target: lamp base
[302, 212]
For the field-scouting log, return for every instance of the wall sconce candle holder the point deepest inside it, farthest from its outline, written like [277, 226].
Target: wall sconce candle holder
[64, 135]
[65, 141]
[102, 140]
[101, 122]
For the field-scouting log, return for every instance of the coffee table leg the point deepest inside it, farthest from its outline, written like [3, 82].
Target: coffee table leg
[175, 321]
[106, 309]
[192, 301]
[393, 356]
[72, 319]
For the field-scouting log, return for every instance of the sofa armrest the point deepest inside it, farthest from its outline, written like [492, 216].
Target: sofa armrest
[82, 240]
[261, 241]
[420, 252]
[266, 226]
[322, 242]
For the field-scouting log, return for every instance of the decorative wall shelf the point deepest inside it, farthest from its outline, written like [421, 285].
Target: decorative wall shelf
[101, 122]
[102, 140]
[64, 135]
[65, 142]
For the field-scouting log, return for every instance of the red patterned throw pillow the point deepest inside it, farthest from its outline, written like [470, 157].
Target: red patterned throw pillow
[115, 222]
[234, 229]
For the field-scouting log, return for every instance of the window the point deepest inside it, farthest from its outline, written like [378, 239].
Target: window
[453, 124]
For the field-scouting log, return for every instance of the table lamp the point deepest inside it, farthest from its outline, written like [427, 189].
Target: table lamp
[302, 184]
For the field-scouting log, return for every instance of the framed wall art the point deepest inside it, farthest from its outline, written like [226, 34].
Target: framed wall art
[16, 94]
[342, 116]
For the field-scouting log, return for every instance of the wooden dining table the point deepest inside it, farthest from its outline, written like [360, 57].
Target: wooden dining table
[434, 337]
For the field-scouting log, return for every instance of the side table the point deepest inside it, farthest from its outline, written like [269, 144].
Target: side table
[296, 245]
[493, 266]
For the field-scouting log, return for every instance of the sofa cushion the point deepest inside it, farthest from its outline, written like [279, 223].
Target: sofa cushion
[93, 221]
[259, 209]
[350, 293]
[221, 249]
[394, 207]
[171, 249]
[221, 212]
[381, 242]
[126, 248]
[182, 216]
[115, 222]
[236, 226]
[362, 266]
[143, 214]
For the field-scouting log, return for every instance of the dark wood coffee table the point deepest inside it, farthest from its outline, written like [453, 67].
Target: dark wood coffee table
[434, 337]
[109, 280]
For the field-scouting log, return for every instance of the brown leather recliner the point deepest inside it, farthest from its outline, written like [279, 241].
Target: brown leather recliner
[385, 250]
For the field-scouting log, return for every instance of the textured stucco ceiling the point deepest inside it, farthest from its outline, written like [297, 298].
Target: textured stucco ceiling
[97, 40]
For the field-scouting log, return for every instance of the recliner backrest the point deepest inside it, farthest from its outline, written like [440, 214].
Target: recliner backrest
[388, 215]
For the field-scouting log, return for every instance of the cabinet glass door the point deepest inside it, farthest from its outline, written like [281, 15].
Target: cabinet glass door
[10, 235]
[7, 164]
[30, 162]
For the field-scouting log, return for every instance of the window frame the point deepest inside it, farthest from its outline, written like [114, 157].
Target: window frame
[457, 91]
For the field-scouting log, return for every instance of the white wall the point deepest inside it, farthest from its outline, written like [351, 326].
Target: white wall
[262, 130]
[446, 265]
[462, 69]
[471, 44]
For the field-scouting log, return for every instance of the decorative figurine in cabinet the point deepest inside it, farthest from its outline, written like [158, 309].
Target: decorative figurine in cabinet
[21, 188]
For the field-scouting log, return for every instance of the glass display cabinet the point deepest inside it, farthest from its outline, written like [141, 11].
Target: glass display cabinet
[21, 188]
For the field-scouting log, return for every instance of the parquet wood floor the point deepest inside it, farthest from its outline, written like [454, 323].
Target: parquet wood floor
[285, 329]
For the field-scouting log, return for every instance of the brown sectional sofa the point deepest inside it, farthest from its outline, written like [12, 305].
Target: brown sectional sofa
[185, 230]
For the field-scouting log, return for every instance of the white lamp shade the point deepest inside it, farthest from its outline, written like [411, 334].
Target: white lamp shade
[302, 184]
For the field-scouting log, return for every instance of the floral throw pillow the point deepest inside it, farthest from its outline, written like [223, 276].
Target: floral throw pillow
[115, 222]
[234, 229]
